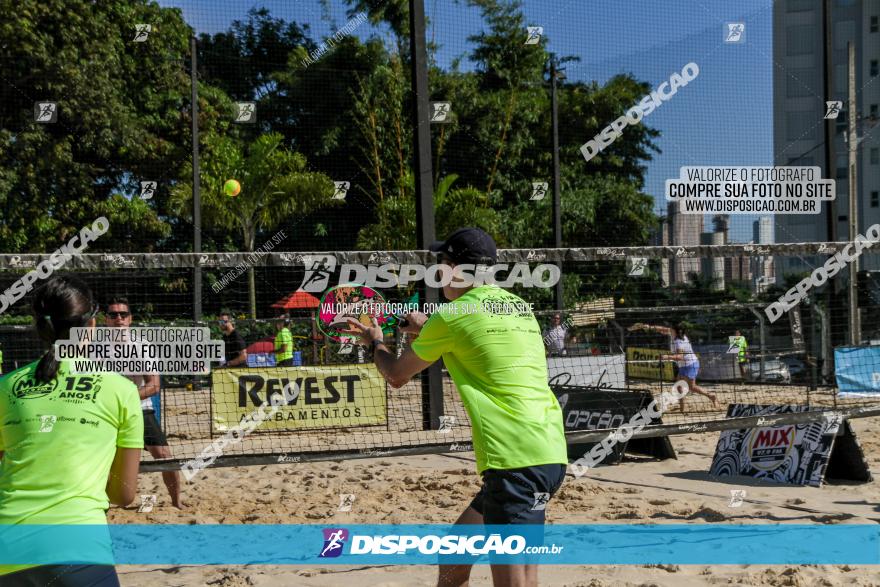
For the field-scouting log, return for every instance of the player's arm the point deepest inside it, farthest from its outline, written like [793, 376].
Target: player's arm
[661, 329]
[122, 482]
[396, 370]
[150, 387]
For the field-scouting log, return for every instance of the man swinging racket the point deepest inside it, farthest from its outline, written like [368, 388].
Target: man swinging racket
[496, 359]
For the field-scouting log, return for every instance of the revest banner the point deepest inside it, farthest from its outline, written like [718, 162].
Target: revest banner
[323, 397]
[644, 363]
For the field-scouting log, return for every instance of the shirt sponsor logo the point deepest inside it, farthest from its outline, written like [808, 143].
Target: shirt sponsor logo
[28, 388]
[47, 423]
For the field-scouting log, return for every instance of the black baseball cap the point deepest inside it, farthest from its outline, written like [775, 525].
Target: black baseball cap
[468, 245]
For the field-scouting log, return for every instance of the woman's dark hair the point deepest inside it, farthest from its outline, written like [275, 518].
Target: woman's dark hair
[62, 303]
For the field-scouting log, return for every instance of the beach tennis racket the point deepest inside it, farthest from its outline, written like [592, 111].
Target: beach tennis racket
[341, 303]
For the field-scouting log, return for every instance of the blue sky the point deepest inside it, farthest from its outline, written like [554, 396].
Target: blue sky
[723, 117]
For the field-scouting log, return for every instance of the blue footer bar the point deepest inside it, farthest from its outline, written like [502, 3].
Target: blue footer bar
[600, 544]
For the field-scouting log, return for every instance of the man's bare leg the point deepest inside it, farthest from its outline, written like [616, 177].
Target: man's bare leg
[515, 575]
[696, 388]
[459, 575]
[171, 478]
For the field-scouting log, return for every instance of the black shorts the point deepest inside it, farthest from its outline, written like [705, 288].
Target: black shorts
[518, 496]
[153, 435]
[63, 576]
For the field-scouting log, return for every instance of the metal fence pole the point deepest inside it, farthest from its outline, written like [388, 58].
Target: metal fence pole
[762, 338]
[432, 377]
[196, 190]
[827, 361]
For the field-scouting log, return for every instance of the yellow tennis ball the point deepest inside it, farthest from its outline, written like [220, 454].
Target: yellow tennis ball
[231, 188]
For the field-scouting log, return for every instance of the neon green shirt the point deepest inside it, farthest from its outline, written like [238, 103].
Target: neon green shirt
[283, 337]
[59, 440]
[740, 341]
[497, 362]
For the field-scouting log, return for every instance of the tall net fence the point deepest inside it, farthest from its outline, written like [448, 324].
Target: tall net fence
[616, 303]
[289, 128]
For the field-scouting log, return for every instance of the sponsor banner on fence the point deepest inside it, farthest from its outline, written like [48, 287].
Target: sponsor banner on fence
[591, 408]
[428, 544]
[857, 370]
[788, 453]
[588, 371]
[323, 397]
[637, 368]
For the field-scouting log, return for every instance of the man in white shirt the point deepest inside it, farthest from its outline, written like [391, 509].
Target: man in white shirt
[118, 315]
[555, 336]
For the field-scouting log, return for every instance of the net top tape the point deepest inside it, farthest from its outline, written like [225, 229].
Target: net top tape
[299, 259]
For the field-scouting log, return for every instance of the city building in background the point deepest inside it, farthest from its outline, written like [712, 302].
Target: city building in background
[712, 268]
[799, 106]
[682, 230]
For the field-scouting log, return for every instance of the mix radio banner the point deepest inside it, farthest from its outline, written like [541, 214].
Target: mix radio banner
[786, 453]
[323, 397]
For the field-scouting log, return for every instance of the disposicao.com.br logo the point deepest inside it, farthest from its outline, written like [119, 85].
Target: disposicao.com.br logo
[430, 544]
[320, 269]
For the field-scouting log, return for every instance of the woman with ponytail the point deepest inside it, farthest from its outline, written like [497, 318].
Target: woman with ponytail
[683, 354]
[69, 443]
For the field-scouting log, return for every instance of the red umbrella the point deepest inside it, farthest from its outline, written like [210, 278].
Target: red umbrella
[298, 300]
[264, 345]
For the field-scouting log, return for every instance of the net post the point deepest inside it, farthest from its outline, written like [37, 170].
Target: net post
[762, 337]
[432, 377]
[557, 203]
[196, 191]
[825, 343]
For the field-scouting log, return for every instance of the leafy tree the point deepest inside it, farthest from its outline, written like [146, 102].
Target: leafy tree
[395, 227]
[394, 13]
[385, 137]
[275, 186]
[118, 107]
[242, 60]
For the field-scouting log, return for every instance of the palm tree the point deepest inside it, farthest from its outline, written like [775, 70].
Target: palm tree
[275, 185]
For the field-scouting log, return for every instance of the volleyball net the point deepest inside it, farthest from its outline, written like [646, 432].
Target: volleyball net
[604, 337]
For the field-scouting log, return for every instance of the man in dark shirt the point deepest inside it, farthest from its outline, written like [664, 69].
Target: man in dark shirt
[236, 353]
